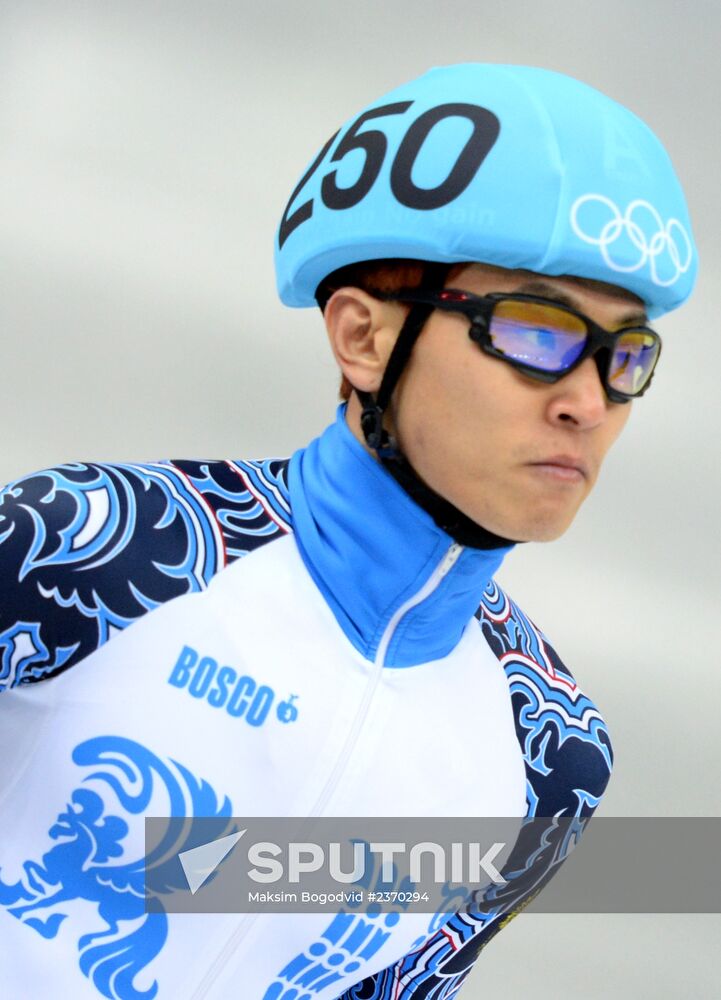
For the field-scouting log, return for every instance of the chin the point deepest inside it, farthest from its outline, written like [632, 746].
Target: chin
[524, 519]
[544, 529]
[538, 529]
[547, 535]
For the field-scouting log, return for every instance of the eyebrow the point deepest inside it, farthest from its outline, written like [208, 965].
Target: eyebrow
[547, 291]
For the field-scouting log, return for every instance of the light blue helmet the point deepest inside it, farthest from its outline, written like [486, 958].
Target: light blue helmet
[506, 165]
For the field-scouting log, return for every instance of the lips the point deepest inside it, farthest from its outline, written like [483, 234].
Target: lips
[564, 462]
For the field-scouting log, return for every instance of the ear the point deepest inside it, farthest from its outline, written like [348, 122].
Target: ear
[362, 331]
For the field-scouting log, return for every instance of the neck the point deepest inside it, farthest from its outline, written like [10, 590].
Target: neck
[370, 548]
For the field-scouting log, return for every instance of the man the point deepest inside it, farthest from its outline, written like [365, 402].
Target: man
[486, 244]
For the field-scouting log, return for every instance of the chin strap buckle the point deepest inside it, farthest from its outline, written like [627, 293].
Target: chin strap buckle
[375, 434]
[372, 425]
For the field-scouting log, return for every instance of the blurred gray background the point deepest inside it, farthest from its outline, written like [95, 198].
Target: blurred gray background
[147, 151]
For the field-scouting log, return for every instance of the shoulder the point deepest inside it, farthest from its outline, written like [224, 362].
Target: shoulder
[87, 548]
[563, 736]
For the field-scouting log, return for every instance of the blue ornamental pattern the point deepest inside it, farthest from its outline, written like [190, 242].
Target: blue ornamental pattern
[88, 861]
[93, 547]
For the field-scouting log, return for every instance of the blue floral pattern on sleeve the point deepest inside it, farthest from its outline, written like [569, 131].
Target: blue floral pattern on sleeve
[85, 550]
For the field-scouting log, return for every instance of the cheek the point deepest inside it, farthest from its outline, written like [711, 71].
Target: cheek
[451, 384]
[616, 421]
[461, 417]
[447, 402]
[436, 400]
[449, 372]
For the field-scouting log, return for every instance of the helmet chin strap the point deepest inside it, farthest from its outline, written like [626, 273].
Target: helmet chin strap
[448, 517]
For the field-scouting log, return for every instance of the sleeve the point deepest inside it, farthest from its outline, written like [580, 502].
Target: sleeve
[436, 971]
[439, 966]
[87, 549]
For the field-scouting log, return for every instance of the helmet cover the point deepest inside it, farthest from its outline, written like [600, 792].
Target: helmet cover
[507, 165]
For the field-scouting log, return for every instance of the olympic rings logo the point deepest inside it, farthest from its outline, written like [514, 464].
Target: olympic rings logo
[670, 243]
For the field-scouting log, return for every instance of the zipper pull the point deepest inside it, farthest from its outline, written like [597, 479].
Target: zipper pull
[450, 559]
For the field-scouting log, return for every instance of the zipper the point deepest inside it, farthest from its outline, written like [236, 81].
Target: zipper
[450, 558]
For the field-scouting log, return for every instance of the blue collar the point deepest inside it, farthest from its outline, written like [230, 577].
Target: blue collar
[369, 548]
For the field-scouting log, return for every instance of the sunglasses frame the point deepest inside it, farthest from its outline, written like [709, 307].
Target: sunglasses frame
[479, 310]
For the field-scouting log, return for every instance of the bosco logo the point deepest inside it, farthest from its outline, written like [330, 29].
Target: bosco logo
[287, 711]
[223, 687]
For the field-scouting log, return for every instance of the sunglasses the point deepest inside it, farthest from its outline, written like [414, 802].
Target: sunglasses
[546, 340]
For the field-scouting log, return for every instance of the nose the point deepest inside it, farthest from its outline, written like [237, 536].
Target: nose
[579, 398]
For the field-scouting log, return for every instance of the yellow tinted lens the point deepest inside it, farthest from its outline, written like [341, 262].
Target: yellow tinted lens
[634, 358]
[540, 336]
